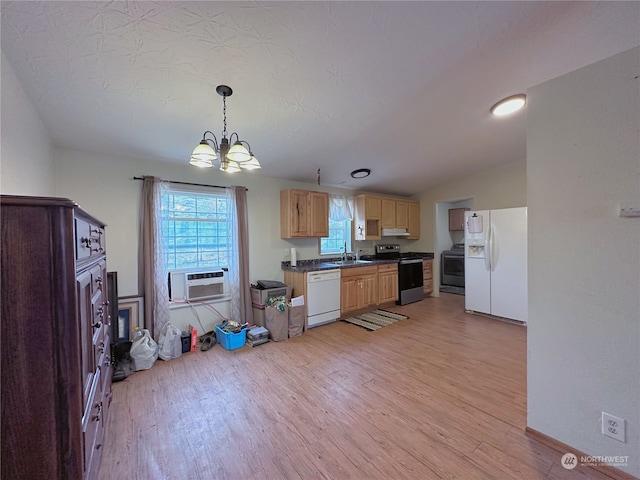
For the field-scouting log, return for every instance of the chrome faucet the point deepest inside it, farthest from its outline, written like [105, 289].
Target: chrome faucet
[343, 257]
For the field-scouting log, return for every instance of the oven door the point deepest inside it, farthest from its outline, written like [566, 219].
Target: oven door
[410, 274]
[452, 269]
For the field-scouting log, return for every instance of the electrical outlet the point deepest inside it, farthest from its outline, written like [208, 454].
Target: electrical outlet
[287, 253]
[629, 209]
[613, 427]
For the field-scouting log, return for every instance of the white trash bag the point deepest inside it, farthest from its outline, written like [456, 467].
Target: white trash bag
[144, 351]
[170, 342]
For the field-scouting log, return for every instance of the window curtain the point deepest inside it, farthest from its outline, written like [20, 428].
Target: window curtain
[340, 208]
[238, 236]
[152, 277]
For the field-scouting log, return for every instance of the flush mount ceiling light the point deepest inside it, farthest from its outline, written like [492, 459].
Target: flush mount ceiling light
[232, 158]
[509, 105]
[361, 173]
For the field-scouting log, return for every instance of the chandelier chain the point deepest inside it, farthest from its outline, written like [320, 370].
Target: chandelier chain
[224, 115]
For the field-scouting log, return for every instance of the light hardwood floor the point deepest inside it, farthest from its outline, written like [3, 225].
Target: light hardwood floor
[440, 395]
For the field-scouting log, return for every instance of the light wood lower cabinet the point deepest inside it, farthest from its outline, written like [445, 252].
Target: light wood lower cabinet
[427, 276]
[359, 288]
[388, 283]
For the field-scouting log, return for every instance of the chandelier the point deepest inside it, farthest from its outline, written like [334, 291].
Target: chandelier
[232, 158]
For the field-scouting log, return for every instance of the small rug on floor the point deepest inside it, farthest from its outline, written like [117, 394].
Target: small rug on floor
[375, 320]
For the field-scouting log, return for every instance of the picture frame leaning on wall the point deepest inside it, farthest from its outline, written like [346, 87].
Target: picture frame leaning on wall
[130, 316]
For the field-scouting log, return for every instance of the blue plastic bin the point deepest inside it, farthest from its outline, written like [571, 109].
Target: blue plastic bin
[231, 341]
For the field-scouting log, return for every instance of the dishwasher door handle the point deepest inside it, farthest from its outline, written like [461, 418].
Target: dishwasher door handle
[323, 276]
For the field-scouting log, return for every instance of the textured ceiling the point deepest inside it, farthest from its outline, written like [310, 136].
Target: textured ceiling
[402, 88]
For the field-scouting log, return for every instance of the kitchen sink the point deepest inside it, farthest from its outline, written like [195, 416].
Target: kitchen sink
[351, 262]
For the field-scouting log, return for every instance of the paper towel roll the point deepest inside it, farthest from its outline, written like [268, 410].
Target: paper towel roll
[475, 224]
[294, 260]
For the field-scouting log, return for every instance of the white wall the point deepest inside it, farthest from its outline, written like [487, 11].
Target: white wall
[583, 151]
[504, 186]
[103, 185]
[26, 161]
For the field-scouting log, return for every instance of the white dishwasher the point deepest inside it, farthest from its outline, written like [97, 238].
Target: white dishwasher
[323, 297]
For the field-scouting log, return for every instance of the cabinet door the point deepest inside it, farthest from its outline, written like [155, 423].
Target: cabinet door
[300, 213]
[388, 286]
[85, 314]
[388, 219]
[456, 219]
[413, 220]
[369, 288]
[319, 214]
[402, 214]
[349, 293]
[427, 276]
[373, 207]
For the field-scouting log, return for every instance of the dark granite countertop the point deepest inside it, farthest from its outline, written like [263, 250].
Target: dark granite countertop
[317, 264]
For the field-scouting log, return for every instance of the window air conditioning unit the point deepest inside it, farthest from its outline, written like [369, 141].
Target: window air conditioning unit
[196, 284]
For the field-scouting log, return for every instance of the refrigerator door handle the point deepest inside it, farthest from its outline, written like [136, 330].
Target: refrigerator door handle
[487, 250]
[492, 261]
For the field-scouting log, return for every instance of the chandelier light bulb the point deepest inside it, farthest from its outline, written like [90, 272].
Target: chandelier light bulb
[238, 153]
[252, 164]
[229, 166]
[203, 155]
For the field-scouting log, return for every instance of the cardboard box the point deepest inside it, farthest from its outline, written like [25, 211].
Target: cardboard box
[259, 296]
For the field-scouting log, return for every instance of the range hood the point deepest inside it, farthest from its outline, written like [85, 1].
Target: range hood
[395, 232]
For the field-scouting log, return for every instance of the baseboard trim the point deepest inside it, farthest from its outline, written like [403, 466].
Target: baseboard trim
[564, 448]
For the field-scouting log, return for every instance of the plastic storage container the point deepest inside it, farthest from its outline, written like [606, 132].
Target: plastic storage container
[231, 341]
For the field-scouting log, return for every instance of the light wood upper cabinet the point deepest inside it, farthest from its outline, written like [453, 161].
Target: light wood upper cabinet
[373, 207]
[402, 214]
[367, 218]
[456, 219]
[388, 206]
[413, 220]
[373, 213]
[319, 220]
[304, 213]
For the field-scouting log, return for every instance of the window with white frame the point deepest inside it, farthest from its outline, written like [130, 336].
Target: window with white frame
[340, 219]
[339, 233]
[194, 229]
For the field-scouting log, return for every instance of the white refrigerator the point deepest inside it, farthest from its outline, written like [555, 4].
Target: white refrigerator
[495, 262]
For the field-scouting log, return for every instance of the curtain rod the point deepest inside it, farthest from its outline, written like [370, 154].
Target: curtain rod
[188, 183]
